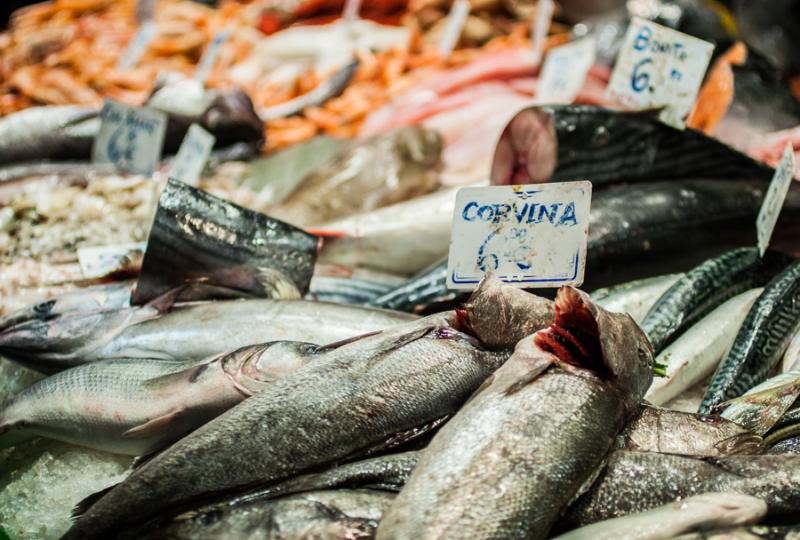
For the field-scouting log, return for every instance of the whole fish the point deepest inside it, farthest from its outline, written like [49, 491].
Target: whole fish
[699, 512]
[636, 481]
[707, 286]
[348, 400]
[342, 513]
[138, 406]
[403, 238]
[511, 460]
[761, 407]
[761, 341]
[346, 290]
[54, 132]
[635, 297]
[188, 332]
[694, 356]
[94, 298]
[378, 172]
[564, 142]
[673, 432]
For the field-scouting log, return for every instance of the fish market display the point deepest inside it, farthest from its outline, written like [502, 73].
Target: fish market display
[257, 339]
[548, 412]
[761, 341]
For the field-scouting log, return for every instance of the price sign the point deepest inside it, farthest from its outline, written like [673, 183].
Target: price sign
[192, 155]
[773, 200]
[138, 45]
[131, 138]
[210, 55]
[564, 71]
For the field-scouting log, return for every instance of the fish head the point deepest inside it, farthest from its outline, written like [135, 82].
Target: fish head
[232, 118]
[500, 315]
[611, 345]
[255, 365]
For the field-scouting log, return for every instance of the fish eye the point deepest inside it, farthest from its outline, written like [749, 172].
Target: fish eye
[643, 356]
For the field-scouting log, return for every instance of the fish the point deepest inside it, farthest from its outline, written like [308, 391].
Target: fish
[563, 142]
[378, 172]
[786, 446]
[57, 132]
[755, 532]
[353, 397]
[197, 237]
[331, 87]
[421, 293]
[666, 431]
[635, 297]
[693, 357]
[637, 481]
[104, 296]
[346, 290]
[191, 332]
[707, 286]
[791, 358]
[760, 408]
[761, 341]
[139, 406]
[403, 238]
[699, 512]
[518, 452]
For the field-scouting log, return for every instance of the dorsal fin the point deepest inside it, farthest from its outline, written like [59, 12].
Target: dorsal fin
[86, 503]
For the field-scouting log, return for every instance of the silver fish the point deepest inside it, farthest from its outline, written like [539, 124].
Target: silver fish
[761, 407]
[636, 481]
[351, 398]
[674, 432]
[700, 512]
[509, 463]
[635, 297]
[138, 406]
[190, 332]
[54, 132]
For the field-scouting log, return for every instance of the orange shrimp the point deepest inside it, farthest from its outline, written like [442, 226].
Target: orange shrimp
[716, 95]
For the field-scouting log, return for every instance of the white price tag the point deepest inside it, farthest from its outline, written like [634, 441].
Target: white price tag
[773, 200]
[544, 14]
[455, 23]
[138, 45]
[659, 68]
[99, 261]
[131, 138]
[527, 235]
[564, 71]
[210, 55]
[192, 155]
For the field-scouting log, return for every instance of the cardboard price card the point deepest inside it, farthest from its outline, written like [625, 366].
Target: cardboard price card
[564, 71]
[526, 235]
[131, 138]
[659, 67]
[192, 155]
[774, 198]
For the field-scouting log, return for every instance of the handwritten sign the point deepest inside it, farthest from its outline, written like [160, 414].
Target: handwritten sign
[210, 55]
[564, 71]
[99, 261]
[527, 235]
[131, 138]
[192, 155]
[138, 46]
[455, 23]
[544, 14]
[659, 68]
[773, 200]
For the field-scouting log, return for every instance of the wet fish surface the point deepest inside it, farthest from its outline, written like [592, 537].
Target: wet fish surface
[357, 395]
[635, 297]
[510, 461]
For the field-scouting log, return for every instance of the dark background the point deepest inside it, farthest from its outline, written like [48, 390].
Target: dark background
[7, 7]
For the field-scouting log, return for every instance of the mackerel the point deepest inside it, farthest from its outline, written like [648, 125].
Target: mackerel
[635, 297]
[762, 340]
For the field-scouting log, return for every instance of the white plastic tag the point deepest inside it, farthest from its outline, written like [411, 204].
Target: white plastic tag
[210, 55]
[527, 235]
[564, 71]
[544, 14]
[773, 200]
[131, 138]
[145, 9]
[138, 45]
[99, 261]
[659, 68]
[192, 155]
[455, 24]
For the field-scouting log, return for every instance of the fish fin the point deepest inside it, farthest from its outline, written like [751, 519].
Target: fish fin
[743, 443]
[322, 233]
[138, 461]
[400, 438]
[336, 344]
[86, 503]
[484, 385]
[164, 302]
[153, 426]
[187, 375]
[537, 369]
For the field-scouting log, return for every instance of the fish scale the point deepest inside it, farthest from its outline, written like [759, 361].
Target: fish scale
[707, 286]
[762, 339]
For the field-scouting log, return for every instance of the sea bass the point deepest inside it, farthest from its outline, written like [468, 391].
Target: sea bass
[138, 406]
[512, 459]
[190, 332]
[352, 398]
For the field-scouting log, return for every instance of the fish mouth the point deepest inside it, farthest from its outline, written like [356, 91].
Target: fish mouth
[574, 337]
